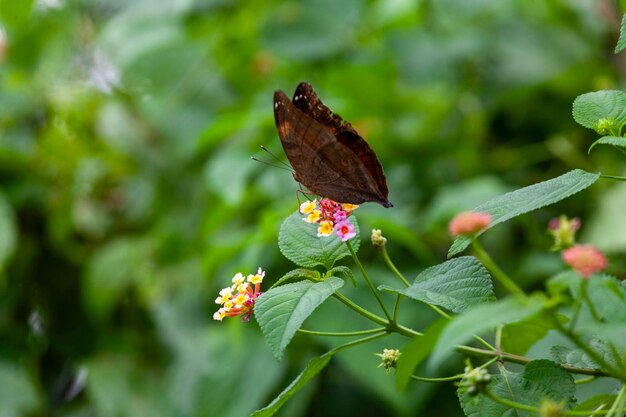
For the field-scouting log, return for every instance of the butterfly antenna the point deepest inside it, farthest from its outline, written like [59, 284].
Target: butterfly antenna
[271, 165]
[276, 158]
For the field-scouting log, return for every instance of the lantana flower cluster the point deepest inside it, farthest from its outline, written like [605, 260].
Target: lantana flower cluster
[239, 298]
[331, 216]
[468, 223]
[584, 259]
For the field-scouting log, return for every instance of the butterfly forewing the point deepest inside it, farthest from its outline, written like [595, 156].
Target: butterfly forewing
[329, 157]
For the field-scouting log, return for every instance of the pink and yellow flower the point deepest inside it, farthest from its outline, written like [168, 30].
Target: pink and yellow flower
[331, 216]
[585, 259]
[239, 298]
[345, 230]
[468, 223]
[325, 229]
[308, 206]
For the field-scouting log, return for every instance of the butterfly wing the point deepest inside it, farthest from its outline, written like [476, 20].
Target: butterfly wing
[322, 164]
[307, 101]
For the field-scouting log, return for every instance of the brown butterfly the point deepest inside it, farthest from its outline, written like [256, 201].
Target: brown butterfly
[328, 156]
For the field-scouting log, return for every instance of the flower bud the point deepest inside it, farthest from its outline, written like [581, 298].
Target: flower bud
[475, 380]
[378, 240]
[389, 358]
[549, 408]
[563, 230]
[604, 126]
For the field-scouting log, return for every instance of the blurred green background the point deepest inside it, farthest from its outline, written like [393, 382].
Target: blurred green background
[128, 197]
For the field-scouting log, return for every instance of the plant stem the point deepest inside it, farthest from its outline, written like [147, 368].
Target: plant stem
[356, 342]
[585, 296]
[396, 308]
[393, 268]
[497, 273]
[523, 360]
[509, 403]
[368, 280]
[441, 379]
[360, 310]
[585, 380]
[612, 177]
[389, 325]
[357, 333]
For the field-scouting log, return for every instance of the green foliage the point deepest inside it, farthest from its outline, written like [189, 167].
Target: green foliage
[621, 42]
[540, 380]
[456, 285]
[310, 274]
[282, 310]
[616, 141]
[18, 396]
[8, 232]
[128, 198]
[314, 367]
[579, 358]
[602, 111]
[527, 199]
[416, 351]
[299, 242]
[608, 295]
[481, 318]
[518, 337]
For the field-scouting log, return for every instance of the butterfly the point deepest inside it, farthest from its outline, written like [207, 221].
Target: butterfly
[327, 154]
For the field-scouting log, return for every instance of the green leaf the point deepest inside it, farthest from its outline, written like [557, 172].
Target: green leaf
[309, 274]
[299, 242]
[621, 42]
[482, 318]
[565, 281]
[527, 199]
[282, 310]
[8, 232]
[580, 359]
[540, 380]
[613, 332]
[18, 395]
[342, 271]
[456, 284]
[415, 352]
[603, 111]
[112, 270]
[618, 141]
[518, 337]
[608, 297]
[596, 403]
[313, 368]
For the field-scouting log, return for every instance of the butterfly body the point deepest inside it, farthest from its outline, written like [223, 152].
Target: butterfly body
[327, 154]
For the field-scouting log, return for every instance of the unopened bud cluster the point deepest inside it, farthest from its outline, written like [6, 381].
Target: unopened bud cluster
[475, 380]
[389, 358]
[549, 408]
[378, 240]
[563, 231]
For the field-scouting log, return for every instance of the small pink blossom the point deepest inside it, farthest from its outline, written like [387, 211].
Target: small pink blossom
[340, 215]
[345, 230]
[585, 259]
[468, 223]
